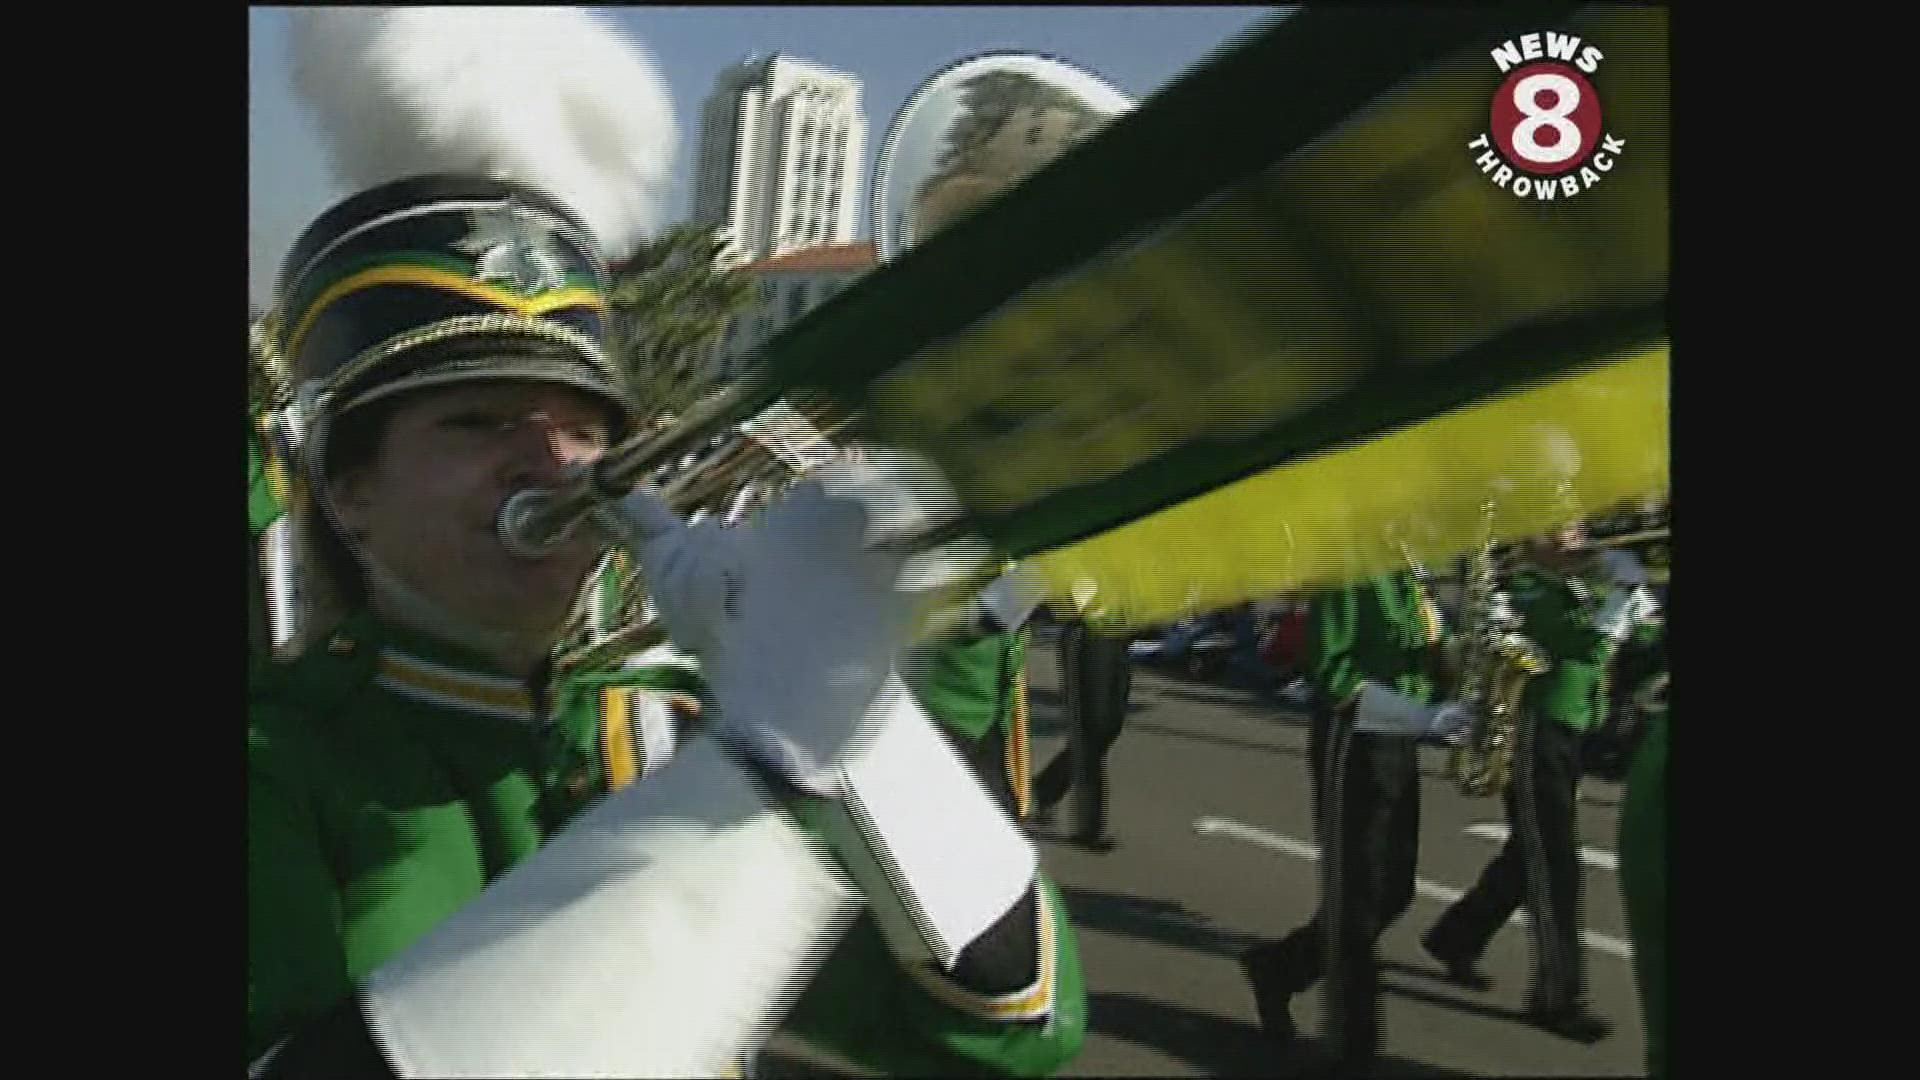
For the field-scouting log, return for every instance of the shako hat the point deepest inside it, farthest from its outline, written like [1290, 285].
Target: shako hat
[441, 279]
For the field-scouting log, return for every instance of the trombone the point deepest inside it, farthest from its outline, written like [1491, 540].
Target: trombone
[770, 450]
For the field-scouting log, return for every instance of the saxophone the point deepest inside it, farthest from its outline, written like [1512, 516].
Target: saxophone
[1495, 662]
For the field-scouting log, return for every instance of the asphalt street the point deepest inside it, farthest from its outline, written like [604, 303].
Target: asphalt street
[1216, 852]
[1211, 808]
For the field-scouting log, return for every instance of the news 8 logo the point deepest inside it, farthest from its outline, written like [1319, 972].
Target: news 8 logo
[1546, 138]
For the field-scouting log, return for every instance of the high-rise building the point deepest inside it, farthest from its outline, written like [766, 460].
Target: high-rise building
[779, 166]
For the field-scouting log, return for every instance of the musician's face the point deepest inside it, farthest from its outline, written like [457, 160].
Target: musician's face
[427, 505]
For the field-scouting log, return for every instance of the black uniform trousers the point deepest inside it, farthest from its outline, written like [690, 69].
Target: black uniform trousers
[1096, 678]
[1539, 867]
[1366, 801]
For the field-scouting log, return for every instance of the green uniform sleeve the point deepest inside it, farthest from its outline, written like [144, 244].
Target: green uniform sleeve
[1333, 630]
[866, 1008]
[965, 683]
[296, 960]
[1572, 692]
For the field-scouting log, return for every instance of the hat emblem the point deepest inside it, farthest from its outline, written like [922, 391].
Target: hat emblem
[515, 246]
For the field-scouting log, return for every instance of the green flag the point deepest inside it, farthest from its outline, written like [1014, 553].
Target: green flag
[1291, 301]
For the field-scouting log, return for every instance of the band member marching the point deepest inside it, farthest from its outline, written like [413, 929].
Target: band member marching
[1373, 655]
[1096, 681]
[1577, 610]
[971, 678]
[466, 860]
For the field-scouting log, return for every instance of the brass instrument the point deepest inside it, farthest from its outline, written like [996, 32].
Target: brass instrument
[949, 150]
[1495, 662]
[275, 558]
[772, 449]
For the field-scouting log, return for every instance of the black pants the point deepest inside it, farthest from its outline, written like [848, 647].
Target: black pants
[1539, 867]
[1096, 678]
[1366, 799]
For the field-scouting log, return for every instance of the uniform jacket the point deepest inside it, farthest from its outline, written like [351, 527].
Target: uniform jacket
[1559, 616]
[392, 777]
[1385, 628]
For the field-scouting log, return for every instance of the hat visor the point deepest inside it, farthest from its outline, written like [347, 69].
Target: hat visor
[496, 358]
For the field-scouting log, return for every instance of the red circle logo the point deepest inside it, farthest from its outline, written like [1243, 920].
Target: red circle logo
[1546, 118]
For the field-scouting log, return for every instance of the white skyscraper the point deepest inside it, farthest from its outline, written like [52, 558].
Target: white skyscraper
[781, 146]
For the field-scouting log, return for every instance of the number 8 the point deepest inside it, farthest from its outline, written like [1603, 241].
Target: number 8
[1524, 141]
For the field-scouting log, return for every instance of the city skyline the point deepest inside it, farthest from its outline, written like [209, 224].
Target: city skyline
[891, 50]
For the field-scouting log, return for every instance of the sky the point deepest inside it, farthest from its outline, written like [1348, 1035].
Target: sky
[892, 49]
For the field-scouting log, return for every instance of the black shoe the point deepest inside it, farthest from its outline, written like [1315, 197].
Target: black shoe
[1095, 842]
[1460, 970]
[1571, 1022]
[1272, 999]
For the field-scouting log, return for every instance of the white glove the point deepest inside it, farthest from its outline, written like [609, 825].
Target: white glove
[1383, 711]
[797, 615]
[742, 501]
[1624, 566]
[1624, 608]
[1452, 722]
[1389, 711]
[1012, 597]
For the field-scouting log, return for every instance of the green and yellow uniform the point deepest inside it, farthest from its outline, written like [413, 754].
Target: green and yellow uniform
[391, 778]
[974, 684]
[1384, 630]
[1560, 614]
[1567, 616]
[1096, 683]
[454, 870]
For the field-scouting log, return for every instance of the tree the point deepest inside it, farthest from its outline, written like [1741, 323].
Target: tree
[670, 303]
[991, 100]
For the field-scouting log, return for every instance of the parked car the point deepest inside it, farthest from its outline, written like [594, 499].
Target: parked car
[1198, 648]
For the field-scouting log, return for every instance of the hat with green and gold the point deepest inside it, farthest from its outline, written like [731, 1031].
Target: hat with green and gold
[441, 279]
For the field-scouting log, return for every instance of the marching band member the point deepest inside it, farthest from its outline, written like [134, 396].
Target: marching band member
[1372, 657]
[464, 860]
[1096, 680]
[971, 678]
[1578, 610]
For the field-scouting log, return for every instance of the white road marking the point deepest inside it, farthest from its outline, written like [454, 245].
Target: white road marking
[1497, 831]
[1300, 849]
